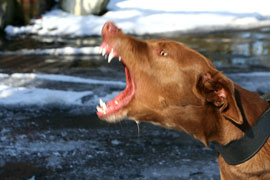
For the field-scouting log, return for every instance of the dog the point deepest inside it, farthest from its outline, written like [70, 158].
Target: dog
[174, 86]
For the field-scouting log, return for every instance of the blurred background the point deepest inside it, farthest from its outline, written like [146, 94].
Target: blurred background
[52, 76]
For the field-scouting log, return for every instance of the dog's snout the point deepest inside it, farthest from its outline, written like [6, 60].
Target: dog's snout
[109, 29]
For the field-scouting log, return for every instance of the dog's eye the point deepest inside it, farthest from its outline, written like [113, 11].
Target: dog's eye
[163, 53]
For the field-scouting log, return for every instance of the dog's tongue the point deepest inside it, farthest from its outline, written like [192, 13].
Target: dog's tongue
[120, 100]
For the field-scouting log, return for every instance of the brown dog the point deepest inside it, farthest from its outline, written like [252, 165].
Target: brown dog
[171, 85]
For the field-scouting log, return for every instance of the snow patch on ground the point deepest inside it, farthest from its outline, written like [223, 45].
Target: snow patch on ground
[58, 77]
[145, 17]
[15, 89]
[35, 96]
[55, 51]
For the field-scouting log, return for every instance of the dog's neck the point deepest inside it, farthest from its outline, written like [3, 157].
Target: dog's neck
[253, 107]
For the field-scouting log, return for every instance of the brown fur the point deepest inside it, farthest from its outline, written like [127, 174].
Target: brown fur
[184, 91]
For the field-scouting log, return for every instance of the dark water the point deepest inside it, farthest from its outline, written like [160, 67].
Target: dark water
[235, 51]
[69, 142]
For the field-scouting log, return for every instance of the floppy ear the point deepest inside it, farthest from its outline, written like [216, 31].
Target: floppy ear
[219, 91]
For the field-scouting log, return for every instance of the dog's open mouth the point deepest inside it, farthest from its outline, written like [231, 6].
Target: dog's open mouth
[121, 100]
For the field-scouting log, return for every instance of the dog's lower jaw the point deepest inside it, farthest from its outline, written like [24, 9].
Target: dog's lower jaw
[116, 117]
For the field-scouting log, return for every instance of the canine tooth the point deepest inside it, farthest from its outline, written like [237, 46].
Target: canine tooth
[119, 58]
[116, 102]
[99, 109]
[102, 104]
[100, 50]
[103, 51]
[111, 55]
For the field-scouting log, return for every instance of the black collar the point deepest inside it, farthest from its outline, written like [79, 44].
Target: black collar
[239, 151]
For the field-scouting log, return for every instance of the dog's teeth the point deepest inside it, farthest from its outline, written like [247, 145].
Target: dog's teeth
[111, 55]
[100, 50]
[102, 104]
[119, 58]
[103, 51]
[109, 59]
[99, 109]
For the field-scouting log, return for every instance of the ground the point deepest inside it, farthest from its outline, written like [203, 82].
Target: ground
[56, 144]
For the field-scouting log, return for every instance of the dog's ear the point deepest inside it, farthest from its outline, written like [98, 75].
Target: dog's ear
[219, 91]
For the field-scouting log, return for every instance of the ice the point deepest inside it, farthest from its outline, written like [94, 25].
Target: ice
[143, 17]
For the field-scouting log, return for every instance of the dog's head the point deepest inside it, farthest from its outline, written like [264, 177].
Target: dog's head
[168, 84]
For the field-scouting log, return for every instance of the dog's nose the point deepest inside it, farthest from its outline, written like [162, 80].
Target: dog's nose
[110, 27]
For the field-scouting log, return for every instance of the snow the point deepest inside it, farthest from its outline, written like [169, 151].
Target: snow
[16, 89]
[55, 51]
[36, 96]
[151, 16]
[62, 78]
